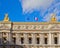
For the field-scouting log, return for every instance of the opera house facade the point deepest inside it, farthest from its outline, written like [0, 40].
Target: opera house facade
[29, 34]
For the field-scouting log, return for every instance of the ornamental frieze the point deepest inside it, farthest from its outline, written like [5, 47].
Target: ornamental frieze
[36, 27]
[5, 26]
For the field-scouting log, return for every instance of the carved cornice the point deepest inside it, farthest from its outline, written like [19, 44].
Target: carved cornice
[35, 23]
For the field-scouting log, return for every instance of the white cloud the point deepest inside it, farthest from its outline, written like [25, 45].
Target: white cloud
[56, 10]
[31, 5]
[47, 17]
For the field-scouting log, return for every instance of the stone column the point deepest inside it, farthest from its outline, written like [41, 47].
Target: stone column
[8, 41]
[9, 38]
[17, 39]
[52, 39]
[33, 39]
[49, 39]
[41, 39]
[0, 38]
[25, 38]
[59, 38]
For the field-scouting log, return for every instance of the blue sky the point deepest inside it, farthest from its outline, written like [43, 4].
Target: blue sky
[27, 10]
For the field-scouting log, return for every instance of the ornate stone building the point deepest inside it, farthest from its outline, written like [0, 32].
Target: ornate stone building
[29, 34]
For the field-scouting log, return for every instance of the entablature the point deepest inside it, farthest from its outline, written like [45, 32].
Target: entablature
[36, 27]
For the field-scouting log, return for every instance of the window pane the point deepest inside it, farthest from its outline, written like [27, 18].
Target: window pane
[37, 40]
[45, 40]
[30, 40]
[14, 40]
[55, 40]
[22, 40]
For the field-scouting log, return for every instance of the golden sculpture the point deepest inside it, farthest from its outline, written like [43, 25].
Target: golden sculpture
[53, 19]
[6, 18]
